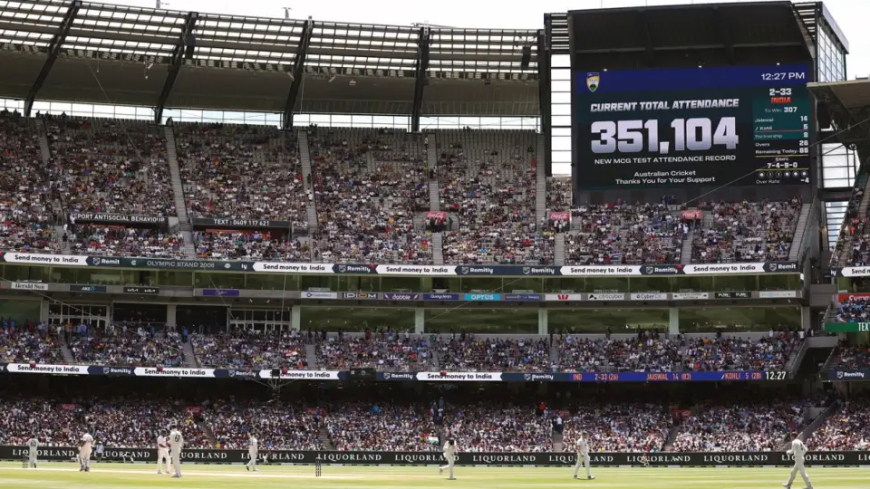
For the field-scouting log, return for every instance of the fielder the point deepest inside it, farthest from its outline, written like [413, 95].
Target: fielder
[32, 448]
[85, 448]
[582, 447]
[799, 450]
[252, 452]
[176, 443]
[450, 449]
[162, 454]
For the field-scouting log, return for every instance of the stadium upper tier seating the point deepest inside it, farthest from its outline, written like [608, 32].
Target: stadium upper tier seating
[28, 202]
[369, 187]
[368, 190]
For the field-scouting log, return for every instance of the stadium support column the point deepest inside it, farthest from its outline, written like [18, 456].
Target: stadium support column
[419, 320]
[674, 321]
[296, 318]
[297, 74]
[543, 322]
[421, 71]
[544, 90]
[53, 50]
[171, 315]
[176, 60]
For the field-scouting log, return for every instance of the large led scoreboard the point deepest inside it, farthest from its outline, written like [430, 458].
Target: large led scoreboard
[714, 126]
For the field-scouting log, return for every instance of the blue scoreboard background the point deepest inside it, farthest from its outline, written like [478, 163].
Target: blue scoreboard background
[741, 125]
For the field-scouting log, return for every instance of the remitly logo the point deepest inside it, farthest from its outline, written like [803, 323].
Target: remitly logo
[850, 375]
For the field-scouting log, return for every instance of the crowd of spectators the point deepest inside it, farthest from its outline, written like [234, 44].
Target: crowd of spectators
[470, 353]
[254, 245]
[851, 357]
[853, 244]
[650, 353]
[28, 200]
[126, 346]
[276, 425]
[740, 427]
[90, 239]
[369, 185]
[113, 422]
[855, 309]
[487, 180]
[26, 344]
[730, 353]
[620, 233]
[111, 166]
[747, 231]
[619, 427]
[382, 351]
[241, 172]
[847, 429]
[250, 350]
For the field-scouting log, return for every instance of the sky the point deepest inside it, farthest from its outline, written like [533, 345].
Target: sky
[853, 16]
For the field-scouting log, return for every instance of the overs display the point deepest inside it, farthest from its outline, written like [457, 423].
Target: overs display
[748, 125]
[563, 459]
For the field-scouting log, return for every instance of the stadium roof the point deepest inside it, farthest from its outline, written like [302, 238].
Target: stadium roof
[98, 53]
[848, 104]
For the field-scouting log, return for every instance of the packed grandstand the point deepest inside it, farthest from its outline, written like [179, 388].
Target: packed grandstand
[235, 193]
[368, 192]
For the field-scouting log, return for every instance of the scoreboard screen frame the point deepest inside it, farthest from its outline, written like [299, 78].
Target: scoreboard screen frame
[677, 127]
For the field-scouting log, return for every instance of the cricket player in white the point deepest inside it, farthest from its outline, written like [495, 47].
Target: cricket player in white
[799, 451]
[32, 448]
[162, 454]
[176, 443]
[450, 450]
[582, 447]
[85, 448]
[252, 452]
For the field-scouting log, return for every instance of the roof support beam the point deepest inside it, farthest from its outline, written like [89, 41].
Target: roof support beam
[544, 91]
[176, 61]
[725, 35]
[53, 50]
[421, 77]
[650, 52]
[297, 74]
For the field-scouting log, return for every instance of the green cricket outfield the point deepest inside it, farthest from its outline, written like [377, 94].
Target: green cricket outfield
[140, 476]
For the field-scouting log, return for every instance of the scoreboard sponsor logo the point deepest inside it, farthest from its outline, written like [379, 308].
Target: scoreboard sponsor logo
[606, 296]
[320, 295]
[690, 296]
[28, 286]
[563, 297]
[400, 296]
[360, 295]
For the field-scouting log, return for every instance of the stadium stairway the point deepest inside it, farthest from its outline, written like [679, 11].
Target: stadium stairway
[797, 241]
[540, 189]
[434, 196]
[437, 248]
[559, 257]
[324, 438]
[65, 351]
[686, 253]
[43, 143]
[311, 356]
[207, 431]
[190, 360]
[178, 193]
[308, 178]
[672, 437]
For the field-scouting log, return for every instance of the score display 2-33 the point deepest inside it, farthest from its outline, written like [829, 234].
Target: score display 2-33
[708, 126]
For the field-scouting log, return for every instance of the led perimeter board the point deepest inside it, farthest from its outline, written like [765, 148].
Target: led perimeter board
[739, 125]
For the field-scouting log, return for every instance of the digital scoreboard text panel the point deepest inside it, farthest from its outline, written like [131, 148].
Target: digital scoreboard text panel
[746, 125]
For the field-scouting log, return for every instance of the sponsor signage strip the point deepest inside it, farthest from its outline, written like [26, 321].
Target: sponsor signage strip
[210, 373]
[563, 459]
[406, 270]
[115, 218]
[847, 327]
[849, 374]
[241, 223]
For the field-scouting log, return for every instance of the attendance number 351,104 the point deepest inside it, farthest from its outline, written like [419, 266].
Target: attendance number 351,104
[635, 136]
